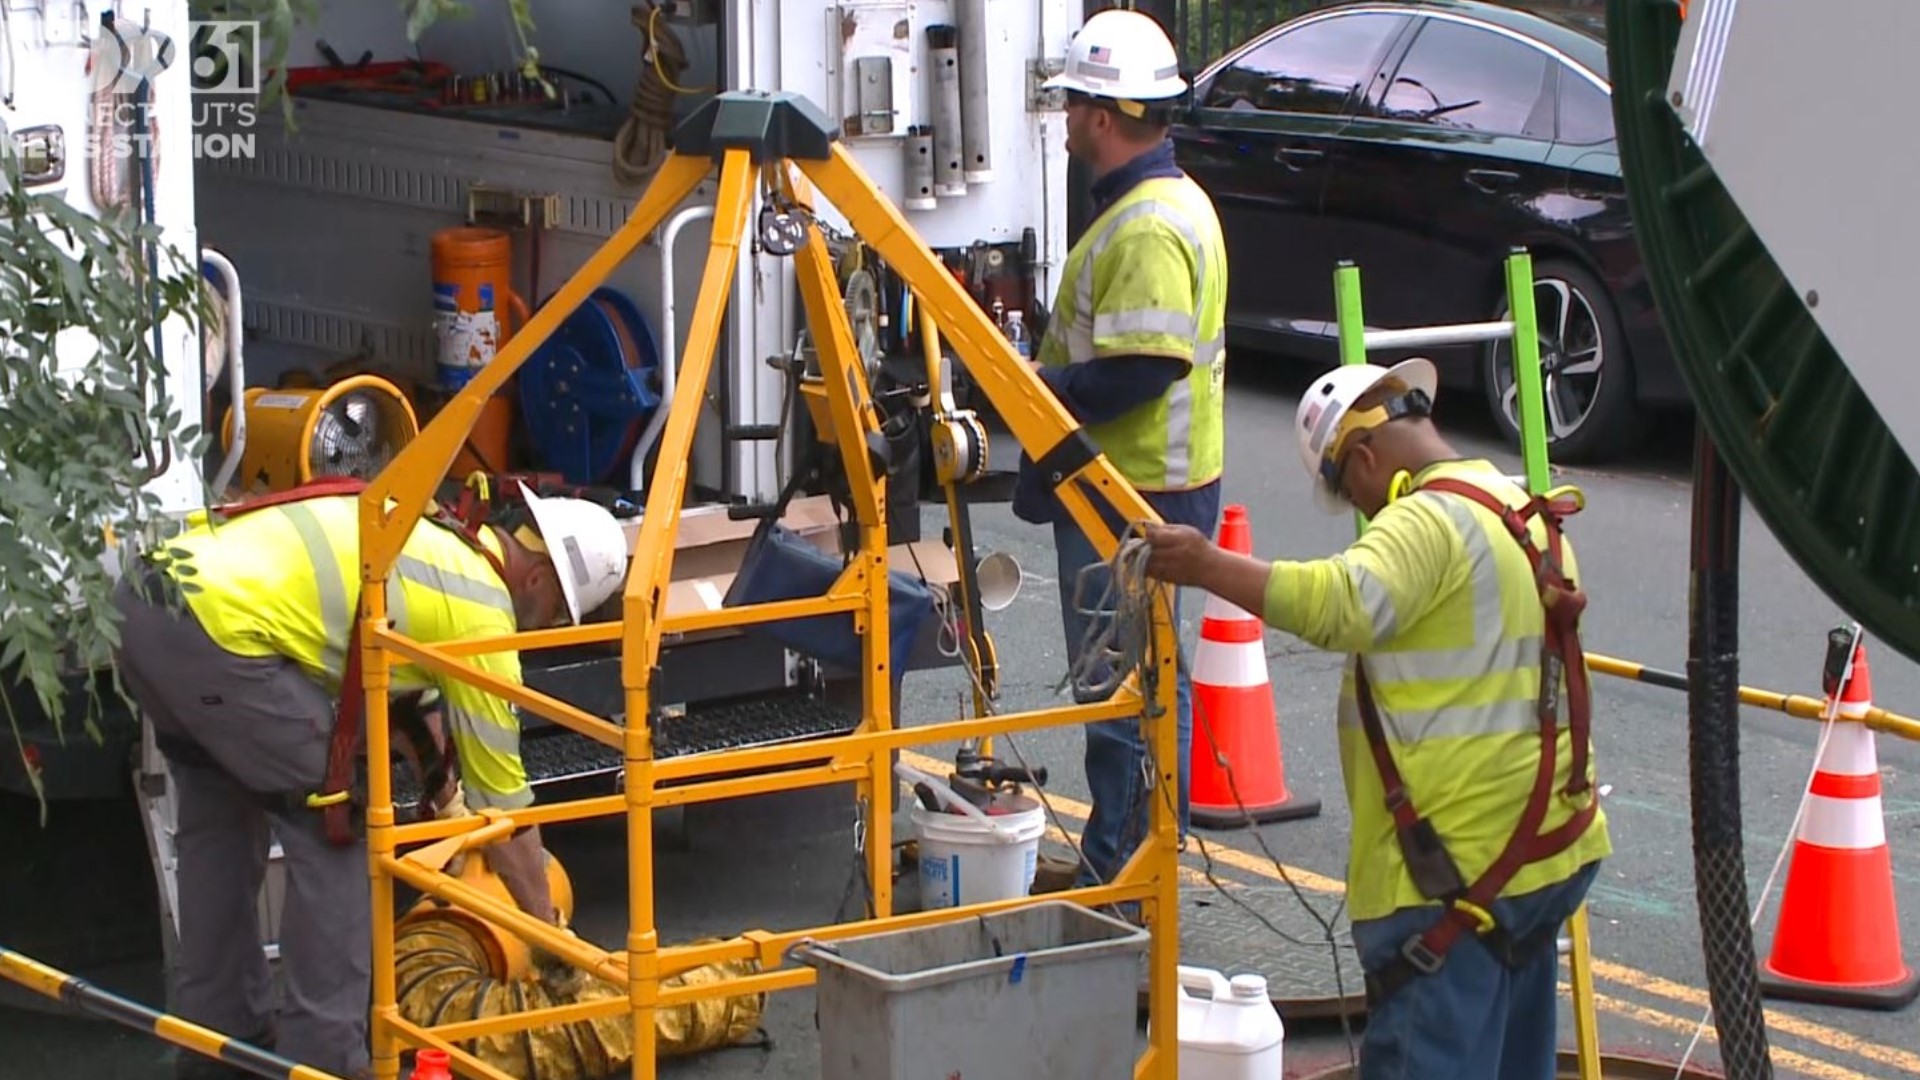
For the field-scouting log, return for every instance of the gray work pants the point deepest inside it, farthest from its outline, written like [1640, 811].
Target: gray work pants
[238, 731]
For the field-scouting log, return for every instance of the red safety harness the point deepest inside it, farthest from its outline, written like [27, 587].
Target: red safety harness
[1469, 907]
[334, 799]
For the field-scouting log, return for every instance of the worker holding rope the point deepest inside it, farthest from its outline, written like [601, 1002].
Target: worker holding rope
[240, 646]
[1463, 722]
[1135, 350]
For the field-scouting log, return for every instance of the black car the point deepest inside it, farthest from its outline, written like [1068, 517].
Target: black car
[1423, 141]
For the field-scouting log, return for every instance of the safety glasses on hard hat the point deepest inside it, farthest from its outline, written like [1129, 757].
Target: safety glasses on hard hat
[1124, 106]
[1358, 426]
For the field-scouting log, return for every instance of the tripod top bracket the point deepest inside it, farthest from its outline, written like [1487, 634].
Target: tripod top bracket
[770, 126]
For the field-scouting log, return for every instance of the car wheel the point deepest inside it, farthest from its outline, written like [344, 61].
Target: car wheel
[1586, 375]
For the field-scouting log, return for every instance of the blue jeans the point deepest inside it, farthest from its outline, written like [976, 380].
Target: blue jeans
[1475, 1018]
[1116, 757]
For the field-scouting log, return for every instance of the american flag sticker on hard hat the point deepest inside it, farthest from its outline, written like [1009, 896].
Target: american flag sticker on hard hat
[1099, 54]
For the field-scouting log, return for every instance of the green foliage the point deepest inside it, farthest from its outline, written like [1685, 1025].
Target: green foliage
[80, 433]
[85, 417]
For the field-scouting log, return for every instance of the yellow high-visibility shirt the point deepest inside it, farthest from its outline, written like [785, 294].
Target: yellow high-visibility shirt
[1439, 601]
[285, 580]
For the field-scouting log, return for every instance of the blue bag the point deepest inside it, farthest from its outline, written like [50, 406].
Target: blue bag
[782, 565]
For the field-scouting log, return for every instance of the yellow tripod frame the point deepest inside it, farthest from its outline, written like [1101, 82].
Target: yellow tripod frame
[785, 143]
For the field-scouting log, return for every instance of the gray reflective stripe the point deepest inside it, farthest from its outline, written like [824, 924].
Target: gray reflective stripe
[335, 619]
[1492, 651]
[397, 606]
[1381, 614]
[1179, 432]
[1511, 717]
[1180, 415]
[1208, 353]
[480, 800]
[454, 583]
[1178, 324]
[1080, 335]
[501, 740]
[468, 728]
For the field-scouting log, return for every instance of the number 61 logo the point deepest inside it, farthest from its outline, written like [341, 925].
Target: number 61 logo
[226, 58]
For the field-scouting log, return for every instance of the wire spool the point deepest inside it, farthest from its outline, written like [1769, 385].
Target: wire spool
[352, 427]
[586, 393]
[452, 965]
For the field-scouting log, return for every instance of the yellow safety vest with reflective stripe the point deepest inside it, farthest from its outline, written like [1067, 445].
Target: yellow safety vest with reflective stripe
[1439, 602]
[285, 580]
[1149, 278]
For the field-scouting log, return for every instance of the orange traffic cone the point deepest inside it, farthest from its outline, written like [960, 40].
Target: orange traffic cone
[1234, 723]
[1838, 940]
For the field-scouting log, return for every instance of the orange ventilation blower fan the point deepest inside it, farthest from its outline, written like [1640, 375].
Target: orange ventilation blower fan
[353, 427]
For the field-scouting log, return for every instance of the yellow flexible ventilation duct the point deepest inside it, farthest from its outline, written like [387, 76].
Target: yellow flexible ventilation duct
[451, 965]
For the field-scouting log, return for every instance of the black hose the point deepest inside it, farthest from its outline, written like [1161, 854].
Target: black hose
[1713, 706]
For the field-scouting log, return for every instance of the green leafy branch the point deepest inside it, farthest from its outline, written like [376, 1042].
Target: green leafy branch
[86, 421]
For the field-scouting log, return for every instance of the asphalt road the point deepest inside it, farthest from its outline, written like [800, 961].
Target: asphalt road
[1633, 545]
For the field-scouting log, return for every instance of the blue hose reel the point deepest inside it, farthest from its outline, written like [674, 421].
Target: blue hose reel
[587, 392]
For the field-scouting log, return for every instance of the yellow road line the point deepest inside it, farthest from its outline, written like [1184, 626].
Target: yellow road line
[1631, 977]
[1813, 1067]
[1646, 982]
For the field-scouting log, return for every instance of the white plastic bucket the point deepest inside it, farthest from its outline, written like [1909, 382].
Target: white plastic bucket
[964, 860]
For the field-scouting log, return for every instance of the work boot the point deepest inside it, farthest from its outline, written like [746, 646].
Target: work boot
[1053, 874]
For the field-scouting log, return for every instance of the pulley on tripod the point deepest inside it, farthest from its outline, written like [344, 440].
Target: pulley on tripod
[959, 448]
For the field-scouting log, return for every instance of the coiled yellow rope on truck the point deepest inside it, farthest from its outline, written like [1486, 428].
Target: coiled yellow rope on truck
[452, 966]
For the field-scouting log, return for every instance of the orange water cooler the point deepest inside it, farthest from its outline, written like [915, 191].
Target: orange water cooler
[475, 312]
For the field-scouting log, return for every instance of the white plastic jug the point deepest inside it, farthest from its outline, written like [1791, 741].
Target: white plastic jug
[1234, 1033]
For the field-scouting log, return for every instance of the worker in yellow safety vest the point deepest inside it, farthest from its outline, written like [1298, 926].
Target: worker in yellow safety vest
[238, 638]
[1135, 351]
[1463, 722]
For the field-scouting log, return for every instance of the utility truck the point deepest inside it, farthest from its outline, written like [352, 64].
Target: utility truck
[370, 245]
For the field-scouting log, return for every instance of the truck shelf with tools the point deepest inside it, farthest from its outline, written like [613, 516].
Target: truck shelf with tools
[367, 248]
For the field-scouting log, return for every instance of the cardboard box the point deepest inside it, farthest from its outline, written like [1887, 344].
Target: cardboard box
[710, 546]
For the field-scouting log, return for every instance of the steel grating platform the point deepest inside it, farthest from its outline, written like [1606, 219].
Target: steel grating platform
[555, 755]
[1218, 933]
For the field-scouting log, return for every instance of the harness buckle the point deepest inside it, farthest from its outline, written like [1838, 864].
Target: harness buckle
[1424, 960]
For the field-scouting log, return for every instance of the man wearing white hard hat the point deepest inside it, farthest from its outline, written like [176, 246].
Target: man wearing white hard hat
[1135, 350]
[235, 645]
[1474, 836]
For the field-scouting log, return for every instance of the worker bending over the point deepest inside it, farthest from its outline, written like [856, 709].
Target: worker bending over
[1467, 821]
[1135, 350]
[235, 645]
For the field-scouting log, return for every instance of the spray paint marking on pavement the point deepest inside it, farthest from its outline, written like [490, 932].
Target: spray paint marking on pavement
[1646, 982]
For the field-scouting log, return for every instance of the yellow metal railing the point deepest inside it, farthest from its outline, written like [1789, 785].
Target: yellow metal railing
[394, 503]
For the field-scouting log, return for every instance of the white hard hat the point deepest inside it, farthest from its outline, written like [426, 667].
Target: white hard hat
[1124, 55]
[587, 545]
[1322, 421]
